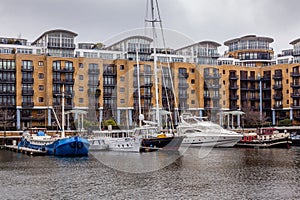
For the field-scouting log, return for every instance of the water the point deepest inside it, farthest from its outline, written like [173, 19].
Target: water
[216, 174]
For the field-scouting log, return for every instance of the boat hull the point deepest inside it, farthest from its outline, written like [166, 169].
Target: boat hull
[123, 144]
[274, 143]
[211, 141]
[165, 144]
[72, 146]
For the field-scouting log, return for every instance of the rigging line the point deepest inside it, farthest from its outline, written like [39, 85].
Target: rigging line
[167, 95]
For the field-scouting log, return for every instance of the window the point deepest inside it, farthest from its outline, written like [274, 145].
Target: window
[81, 89]
[122, 89]
[41, 99]
[122, 78]
[287, 101]
[41, 76]
[122, 101]
[287, 91]
[287, 81]
[80, 65]
[192, 70]
[193, 91]
[287, 71]
[223, 71]
[193, 102]
[81, 77]
[41, 63]
[223, 82]
[122, 67]
[80, 100]
[193, 81]
[41, 87]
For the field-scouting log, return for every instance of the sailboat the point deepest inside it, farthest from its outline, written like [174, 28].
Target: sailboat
[36, 138]
[151, 134]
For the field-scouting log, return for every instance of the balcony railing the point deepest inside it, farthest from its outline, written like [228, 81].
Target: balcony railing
[28, 104]
[277, 76]
[277, 87]
[27, 69]
[277, 97]
[27, 92]
[277, 106]
[295, 95]
[295, 74]
[295, 85]
[27, 80]
[233, 77]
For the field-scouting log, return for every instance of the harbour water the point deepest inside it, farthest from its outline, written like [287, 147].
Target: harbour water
[197, 174]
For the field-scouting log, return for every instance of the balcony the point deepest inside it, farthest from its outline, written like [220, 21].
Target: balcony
[93, 83]
[56, 81]
[233, 77]
[110, 84]
[295, 85]
[295, 74]
[7, 93]
[207, 97]
[244, 78]
[277, 87]
[64, 70]
[93, 71]
[266, 88]
[234, 97]
[245, 88]
[68, 81]
[183, 75]
[277, 106]
[27, 69]
[109, 94]
[216, 97]
[277, 76]
[266, 78]
[146, 96]
[60, 45]
[278, 97]
[8, 80]
[295, 95]
[233, 87]
[295, 106]
[254, 98]
[7, 105]
[183, 96]
[27, 92]
[27, 80]
[253, 78]
[266, 98]
[212, 86]
[234, 107]
[110, 73]
[212, 76]
[254, 88]
[27, 104]
[183, 85]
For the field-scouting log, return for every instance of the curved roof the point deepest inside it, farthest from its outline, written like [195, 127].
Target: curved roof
[201, 43]
[54, 31]
[295, 41]
[131, 37]
[249, 37]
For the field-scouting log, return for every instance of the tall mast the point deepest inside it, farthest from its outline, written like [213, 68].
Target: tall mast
[138, 83]
[63, 113]
[153, 20]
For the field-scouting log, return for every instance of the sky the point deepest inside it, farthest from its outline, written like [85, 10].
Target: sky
[192, 20]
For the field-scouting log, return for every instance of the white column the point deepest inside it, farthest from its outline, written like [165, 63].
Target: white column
[232, 122]
[81, 121]
[49, 117]
[130, 117]
[68, 121]
[200, 113]
[228, 120]
[273, 117]
[18, 119]
[291, 114]
[239, 121]
[118, 116]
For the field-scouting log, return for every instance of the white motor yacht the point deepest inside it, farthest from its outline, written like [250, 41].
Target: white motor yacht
[199, 131]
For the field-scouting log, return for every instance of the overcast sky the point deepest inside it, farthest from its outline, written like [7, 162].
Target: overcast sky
[99, 20]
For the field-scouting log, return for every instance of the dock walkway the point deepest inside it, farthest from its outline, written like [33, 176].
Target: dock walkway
[24, 150]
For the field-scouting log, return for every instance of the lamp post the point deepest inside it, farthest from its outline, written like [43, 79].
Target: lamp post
[260, 97]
